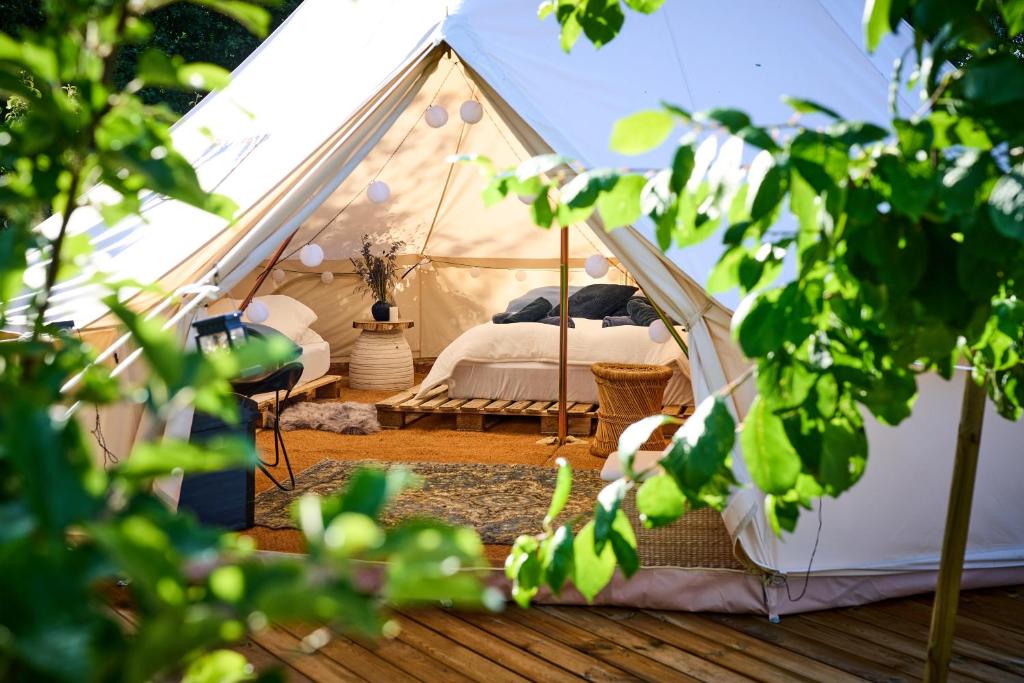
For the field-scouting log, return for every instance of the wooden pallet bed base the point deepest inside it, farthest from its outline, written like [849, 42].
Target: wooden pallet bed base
[328, 386]
[476, 414]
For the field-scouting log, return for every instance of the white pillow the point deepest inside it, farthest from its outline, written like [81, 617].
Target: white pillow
[286, 315]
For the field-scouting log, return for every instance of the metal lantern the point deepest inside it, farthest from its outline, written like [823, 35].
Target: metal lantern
[220, 332]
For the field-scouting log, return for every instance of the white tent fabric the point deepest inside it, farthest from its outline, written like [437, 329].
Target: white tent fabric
[336, 85]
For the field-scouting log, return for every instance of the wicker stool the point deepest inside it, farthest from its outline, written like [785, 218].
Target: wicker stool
[625, 394]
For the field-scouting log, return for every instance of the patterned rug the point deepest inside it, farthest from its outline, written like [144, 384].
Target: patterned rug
[499, 501]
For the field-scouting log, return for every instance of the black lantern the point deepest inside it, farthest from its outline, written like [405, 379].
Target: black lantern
[220, 332]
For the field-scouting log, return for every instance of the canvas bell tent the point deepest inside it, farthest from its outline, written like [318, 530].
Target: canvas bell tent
[335, 100]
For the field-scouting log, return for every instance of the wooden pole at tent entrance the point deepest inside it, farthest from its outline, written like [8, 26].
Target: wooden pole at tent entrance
[266, 271]
[954, 541]
[563, 336]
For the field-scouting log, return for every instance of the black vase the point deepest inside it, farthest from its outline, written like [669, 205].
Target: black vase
[381, 311]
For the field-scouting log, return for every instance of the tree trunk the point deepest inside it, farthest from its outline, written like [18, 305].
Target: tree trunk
[954, 542]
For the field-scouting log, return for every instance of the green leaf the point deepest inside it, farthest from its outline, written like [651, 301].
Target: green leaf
[809, 107]
[732, 120]
[682, 167]
[609, 501]
[1013, 15]
[563, 487]
[557, 558]
[601, 20]
[782, 515]
[641, 132]
[154, 459]
[1006, 204]
[844, 452]
[876, 22]
[659, 501]
[701, 446]
[636, 435]
[623, 542]
[766, 187]
[255, 19]
[592, 570]
[645, 6]
[620, 205]
[219, 666]
[770, 458]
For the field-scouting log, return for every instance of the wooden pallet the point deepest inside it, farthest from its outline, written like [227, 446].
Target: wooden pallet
[328, 386]
[474, 414]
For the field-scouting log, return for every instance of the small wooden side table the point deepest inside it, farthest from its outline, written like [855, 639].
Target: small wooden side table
[381, 358]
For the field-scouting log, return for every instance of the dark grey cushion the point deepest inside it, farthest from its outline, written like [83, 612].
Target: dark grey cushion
[597, 301]
[555, 320]
[641, 312]
[531, 313]
[616, 321]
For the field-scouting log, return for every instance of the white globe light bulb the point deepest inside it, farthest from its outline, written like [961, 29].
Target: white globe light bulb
[327, 277]
[527, 198]
[256, 311]
[436, 116]
[520, 275]
[596, 266]
[312, 255]
[471, 111]
[659, 332]
[278, 275]
[474, 272]
[378, 192]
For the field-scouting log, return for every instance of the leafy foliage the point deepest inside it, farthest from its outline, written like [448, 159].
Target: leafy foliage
[70, 526]
[908, 240]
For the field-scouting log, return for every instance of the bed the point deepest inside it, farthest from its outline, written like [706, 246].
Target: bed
[520, 361]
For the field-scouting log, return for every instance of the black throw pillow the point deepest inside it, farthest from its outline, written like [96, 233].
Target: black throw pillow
[642, 313]
[555, 320]
[531, 313]
[597, 301]
[500, 318]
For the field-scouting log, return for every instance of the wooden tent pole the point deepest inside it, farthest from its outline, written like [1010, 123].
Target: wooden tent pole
[266, 271]
[954, 541]
[563, 337]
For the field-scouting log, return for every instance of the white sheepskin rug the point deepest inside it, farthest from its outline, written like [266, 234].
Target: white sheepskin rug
[343, 418]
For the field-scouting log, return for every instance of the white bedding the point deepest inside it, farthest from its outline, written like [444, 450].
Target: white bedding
[519, 361]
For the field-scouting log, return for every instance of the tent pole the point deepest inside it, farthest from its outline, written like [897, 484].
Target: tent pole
[954, 542]
[563, 336]
[266, 271]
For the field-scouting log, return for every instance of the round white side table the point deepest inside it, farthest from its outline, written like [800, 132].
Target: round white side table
[381, 358]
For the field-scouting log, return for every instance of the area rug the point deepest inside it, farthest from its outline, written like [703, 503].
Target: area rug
[499, 501]
[342, 418]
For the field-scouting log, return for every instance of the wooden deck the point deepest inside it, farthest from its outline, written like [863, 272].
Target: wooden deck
[475, 414]
[881, 642]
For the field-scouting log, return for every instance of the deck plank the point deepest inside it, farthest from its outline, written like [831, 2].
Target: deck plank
[554, 651]
[650, 647]
[759, 627]
[393, 401]
[354, 657]
[537, 407]
[453, 654]
[518, 406]
[484, 644]
[601, 648]
[497, 406]
[733, 658]
[902, 643]
[287, 648]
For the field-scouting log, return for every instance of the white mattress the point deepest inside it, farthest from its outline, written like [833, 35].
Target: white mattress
[538, 381]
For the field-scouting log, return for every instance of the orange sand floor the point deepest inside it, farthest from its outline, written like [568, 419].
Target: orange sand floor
[430, 439]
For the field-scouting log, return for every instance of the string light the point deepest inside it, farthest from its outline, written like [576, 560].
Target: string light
[327, 277]
[471, 111]
[257, 311]
[312, 255]
[435, 116]
[378, 192]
